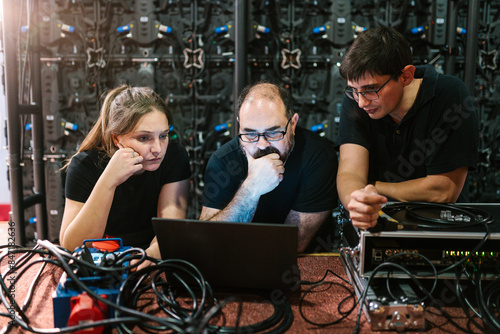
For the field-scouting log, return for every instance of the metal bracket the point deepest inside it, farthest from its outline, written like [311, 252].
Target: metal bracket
[95, 58]
[193, 58]
[291, 58]
[397, 317]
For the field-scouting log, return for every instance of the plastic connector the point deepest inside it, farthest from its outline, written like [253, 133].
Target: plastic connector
[319, 30]
[164, 29]
[85, 310]
[385, 223]
[221, 29]
[84, 255]
[123, 29]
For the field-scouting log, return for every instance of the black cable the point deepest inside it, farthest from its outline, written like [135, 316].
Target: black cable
[485, 306]
[415, 280]
[478, 216]
[339, 306]
[434, 270]
[24, 321]
[464, 302]
[195, 316]
[344, 314]
[163, 267]
[282, 316]
[208, 304]
[323, 278]
[7, 290]
[137, 316]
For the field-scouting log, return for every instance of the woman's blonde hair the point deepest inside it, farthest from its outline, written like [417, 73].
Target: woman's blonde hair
[122, 109]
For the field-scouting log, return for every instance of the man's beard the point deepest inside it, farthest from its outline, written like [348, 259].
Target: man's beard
[271, 149]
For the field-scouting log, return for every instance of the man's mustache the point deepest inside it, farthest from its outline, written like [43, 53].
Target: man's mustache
[268, 150]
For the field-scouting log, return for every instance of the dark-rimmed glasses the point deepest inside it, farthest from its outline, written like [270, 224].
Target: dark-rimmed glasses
[370, 94]
[253, 137]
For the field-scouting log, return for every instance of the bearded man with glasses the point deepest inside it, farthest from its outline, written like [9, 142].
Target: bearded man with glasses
[273, 171]
[406, 133]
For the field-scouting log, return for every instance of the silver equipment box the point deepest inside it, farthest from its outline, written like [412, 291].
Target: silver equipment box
[477, 244]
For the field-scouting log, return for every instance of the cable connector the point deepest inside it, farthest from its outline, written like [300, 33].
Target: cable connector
[85, 310]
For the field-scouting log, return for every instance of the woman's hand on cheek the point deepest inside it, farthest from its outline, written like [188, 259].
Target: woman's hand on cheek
[123, 164]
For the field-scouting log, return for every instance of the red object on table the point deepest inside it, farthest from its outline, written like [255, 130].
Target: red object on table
[85, 310]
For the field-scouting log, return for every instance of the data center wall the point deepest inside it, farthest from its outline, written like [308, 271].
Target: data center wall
[185, 51]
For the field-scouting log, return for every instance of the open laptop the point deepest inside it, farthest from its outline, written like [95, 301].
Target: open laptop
[233, 255]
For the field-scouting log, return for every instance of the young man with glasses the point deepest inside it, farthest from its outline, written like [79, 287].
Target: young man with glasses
[406, 133]
[273, 171]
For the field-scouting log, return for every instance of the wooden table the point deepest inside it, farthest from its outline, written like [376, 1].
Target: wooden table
[319, 306]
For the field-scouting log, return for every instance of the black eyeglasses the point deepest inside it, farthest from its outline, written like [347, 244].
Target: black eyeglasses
[371, 94]
[253, 137]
